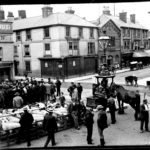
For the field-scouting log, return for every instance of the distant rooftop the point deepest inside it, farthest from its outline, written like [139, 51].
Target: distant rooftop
[52, 19]
[105, 18]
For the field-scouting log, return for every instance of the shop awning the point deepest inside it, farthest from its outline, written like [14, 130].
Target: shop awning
[140, 54]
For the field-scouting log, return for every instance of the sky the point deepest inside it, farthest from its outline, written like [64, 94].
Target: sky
[90, 11]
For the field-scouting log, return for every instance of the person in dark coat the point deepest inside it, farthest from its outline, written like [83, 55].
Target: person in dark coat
[80, 89]
[50, 125]
[101, 123]
[42, 91]
[112, 108]
[71, 89]
[62, 99]
[137, 105]
[73, 112]
[89, 125]
[58, 86]
[26, 121]
[144, 115]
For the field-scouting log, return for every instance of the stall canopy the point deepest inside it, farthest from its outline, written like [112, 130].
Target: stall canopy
[141, 54]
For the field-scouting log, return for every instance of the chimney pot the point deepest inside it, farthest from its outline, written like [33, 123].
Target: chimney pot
[69, 11]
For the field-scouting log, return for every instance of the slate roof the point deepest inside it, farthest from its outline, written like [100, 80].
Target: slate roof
[53, 19]
[119, 23]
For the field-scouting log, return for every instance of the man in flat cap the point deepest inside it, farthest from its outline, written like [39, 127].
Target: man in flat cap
[26, 121]
[101, 123]
[17, 101]
[50, 126]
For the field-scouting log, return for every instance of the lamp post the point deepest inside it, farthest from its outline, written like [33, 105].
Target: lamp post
[104, 41]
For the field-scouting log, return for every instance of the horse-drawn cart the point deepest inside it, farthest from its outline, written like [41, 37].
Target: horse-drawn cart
[101, 89]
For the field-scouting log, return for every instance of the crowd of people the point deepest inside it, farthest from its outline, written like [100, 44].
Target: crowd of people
[15, 94]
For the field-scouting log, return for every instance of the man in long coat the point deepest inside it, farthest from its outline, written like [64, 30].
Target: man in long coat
[50, 125]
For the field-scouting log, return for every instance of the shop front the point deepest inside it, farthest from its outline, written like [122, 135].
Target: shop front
[71, 66]
[6, 71]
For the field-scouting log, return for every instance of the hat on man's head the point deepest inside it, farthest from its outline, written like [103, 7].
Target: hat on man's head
[49, 110]
[99, 107]
[17, 94]
[25, 108]
[145, 100]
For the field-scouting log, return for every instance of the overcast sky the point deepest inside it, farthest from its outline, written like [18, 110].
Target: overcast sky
[90, 11]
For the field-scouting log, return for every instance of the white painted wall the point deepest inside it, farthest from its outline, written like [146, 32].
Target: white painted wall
[7, 51]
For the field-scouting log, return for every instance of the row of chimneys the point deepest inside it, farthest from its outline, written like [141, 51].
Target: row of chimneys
[122, 16]
[46, 11]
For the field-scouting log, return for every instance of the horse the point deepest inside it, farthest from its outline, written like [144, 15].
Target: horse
[130, 79]
[126, 96]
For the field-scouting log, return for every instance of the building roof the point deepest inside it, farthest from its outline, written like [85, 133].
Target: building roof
[119, 23]
[53, 19]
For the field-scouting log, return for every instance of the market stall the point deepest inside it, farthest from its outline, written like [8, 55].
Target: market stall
[9, 120]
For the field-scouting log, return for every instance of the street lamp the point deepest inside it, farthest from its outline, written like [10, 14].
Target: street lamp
[104, 42]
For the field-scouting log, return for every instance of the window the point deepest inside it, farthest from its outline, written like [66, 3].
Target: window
[1, 52]
[91, 48]
[15, 50]
[73, 47]
[18, 36]
[26, 50]
[91, 33]
[138, 34]
[112, 41]
[27, 65]
[28, 34]
[80, 32]
[126, 44]
[46, 32]
[47, 49]
[67, 31]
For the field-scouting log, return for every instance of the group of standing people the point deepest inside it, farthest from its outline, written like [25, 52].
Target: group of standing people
[23, 92]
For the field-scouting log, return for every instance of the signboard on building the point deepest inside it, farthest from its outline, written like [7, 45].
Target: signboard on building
[6, 27]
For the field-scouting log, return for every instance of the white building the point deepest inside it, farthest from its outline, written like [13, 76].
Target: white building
[55, 44]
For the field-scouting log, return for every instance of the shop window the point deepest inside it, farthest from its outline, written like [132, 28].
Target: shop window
[28, 66]
[47, 49]
[46, 32]
[91, 48]
[26, 50]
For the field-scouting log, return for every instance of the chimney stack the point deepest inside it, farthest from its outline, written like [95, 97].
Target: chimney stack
[10, 17]
[132, 18]
[123, 16]
[46, 11]
[69, 11]
[22, 14]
